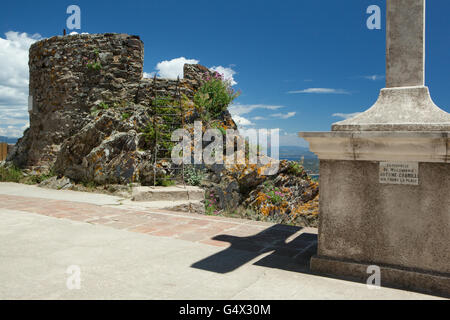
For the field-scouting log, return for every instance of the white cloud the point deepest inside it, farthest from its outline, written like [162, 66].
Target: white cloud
[14, 82]
[171, 69]
[241, 121]
[283, 115]
[346, 115]
[374, 77]
[227, 73]
[239, 109]
[321, 91]
[258, 118]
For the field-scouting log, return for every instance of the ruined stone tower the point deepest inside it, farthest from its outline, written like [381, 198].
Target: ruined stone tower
[71, 74]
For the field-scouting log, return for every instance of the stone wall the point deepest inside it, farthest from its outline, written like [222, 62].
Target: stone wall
[156, 87]
[69, 75]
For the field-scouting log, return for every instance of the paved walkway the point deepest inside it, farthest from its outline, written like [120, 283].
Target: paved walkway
[123, 251]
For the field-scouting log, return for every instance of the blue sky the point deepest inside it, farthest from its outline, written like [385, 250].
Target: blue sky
[275, 47]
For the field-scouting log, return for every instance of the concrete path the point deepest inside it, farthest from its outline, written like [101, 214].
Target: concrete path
[48, 237]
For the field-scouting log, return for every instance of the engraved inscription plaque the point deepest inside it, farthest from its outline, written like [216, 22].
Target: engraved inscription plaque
[399, 173]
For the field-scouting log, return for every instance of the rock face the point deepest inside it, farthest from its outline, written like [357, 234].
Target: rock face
[106, 150]
[69, 75]
[289, 196]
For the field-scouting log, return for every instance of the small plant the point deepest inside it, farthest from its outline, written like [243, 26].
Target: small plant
[268, 184]
[211, 205]
[222, 130]
[103, 105]
[125, 116]
[165, 181]
[160, 135]
[192, 176]
[36, 179]
[11, 174]
[91, 185]
[14, 174]
[272, 193]
[275, 196]
[295, 168]
[121, 104]
[215, 95]
[163, 101]
[95, 65]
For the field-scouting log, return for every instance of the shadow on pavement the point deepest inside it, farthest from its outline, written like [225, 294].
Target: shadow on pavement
[290, 256]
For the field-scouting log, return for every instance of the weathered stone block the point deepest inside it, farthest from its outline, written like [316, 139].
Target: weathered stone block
[402, 227]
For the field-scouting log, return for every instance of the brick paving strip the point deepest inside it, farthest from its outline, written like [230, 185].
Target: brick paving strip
[242, 234]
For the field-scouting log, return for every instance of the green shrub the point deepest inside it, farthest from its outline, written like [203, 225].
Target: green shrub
[91, 185]
[215, 95]
[94, 66]
[218, 127]
[295, 168]
[192, 176]
[165, 181]
[162, 135]
[275, 196]
[101, 106]
[14, 174]
[211, 205]
[11, 174]
[163, 101]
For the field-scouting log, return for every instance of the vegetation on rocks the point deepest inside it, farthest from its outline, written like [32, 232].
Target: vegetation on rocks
[289, 197]
[96, 64]
[214, 96]
[193, 176]
[10, 173]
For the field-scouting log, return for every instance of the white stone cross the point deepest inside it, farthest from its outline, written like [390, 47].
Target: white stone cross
[405, 43]
[405, 104]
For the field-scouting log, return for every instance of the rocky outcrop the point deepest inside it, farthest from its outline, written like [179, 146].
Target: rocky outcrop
[108, 150]
[287, 197]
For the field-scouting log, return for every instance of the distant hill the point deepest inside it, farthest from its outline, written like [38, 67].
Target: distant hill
[8, 140]
[295, 153]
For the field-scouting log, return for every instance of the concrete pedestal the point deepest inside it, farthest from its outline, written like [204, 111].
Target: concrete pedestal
[403, 228]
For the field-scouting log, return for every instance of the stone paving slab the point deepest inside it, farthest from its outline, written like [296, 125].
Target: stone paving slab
[36, 251]
[129, 252]
[211, 230]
